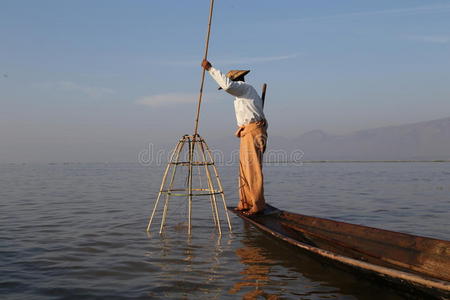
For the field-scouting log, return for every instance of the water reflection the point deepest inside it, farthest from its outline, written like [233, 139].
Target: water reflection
[273, 270]
[76, 232]
[256, 270]
[190, 264]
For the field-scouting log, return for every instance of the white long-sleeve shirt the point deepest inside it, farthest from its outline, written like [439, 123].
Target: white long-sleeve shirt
[247, 105]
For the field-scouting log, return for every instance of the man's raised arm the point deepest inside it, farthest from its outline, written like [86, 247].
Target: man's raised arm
[230, 86]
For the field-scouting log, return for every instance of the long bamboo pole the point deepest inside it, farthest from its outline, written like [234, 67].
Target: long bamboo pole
[192, 147]
[211, 7]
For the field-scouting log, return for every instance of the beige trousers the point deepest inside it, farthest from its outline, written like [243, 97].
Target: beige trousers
[253, 139]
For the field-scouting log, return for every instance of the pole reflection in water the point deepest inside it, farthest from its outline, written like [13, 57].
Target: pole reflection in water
[189, 265]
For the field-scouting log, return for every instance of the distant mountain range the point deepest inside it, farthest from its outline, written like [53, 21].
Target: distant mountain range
[419, 141]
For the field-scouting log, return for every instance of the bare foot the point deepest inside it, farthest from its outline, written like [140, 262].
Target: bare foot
[252, 213]
[240, 209]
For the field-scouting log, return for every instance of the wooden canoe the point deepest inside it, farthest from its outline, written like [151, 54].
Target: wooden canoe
[419, 266]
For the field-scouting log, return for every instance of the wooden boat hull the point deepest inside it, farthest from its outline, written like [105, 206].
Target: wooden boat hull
[418, 265]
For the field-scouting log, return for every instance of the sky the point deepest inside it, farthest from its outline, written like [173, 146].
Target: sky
[99, 81]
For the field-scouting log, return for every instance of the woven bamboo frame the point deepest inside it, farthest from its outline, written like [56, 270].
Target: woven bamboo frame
[199, 157]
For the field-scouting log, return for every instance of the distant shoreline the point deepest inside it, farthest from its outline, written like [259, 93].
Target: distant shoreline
[361, 161]
[266, 162]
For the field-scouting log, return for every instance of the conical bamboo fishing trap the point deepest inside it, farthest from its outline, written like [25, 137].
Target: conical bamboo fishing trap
[201, 178]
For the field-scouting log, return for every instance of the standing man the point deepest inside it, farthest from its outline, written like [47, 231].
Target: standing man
[252, 132]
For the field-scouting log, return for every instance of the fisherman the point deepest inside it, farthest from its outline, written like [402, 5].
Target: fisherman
[252, 132]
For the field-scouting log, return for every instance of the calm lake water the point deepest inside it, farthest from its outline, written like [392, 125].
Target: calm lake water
[77, 231]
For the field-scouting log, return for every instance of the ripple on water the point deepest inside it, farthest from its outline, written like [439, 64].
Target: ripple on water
[77, 231]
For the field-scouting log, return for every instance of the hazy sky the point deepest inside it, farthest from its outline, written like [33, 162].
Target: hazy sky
[99, 80]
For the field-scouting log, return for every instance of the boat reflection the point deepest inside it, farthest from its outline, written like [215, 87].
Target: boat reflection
[273, 270]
